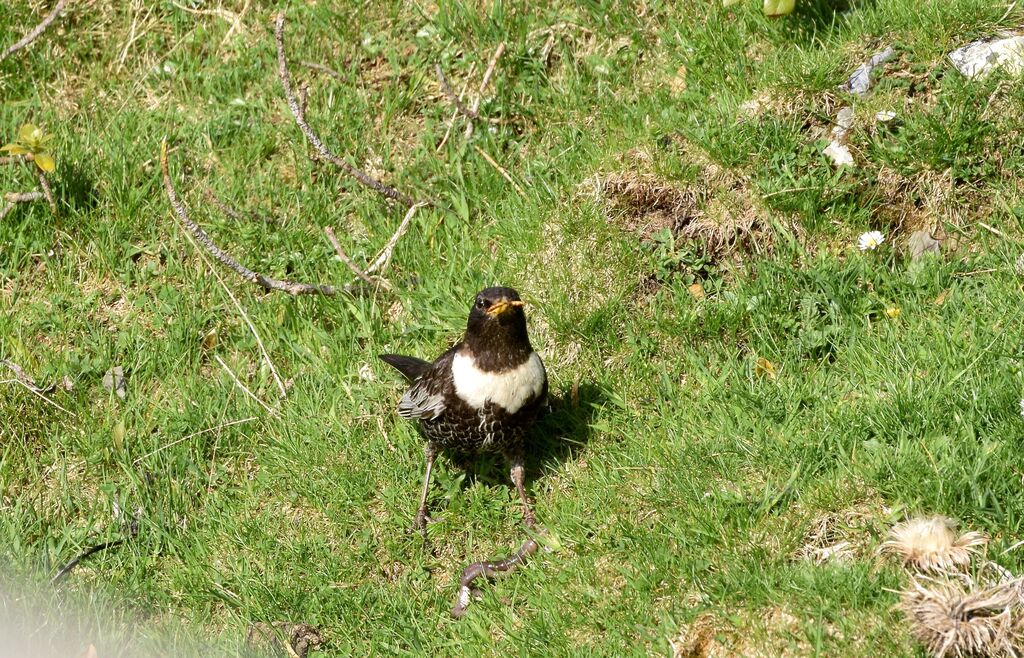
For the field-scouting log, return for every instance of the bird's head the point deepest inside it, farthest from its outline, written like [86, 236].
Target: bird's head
[497, 321]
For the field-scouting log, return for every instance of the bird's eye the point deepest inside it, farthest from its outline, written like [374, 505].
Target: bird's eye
[480, 302]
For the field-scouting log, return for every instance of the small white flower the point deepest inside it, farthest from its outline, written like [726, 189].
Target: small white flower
[870, 240]
[1022, 407]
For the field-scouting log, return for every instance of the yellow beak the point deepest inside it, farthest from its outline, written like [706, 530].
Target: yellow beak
[502, 307]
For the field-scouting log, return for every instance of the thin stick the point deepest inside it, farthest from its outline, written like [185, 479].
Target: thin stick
[243, 386]
[992, 229]
[452, 96]
[483, 84]
[252, 328]
[34, 33]
[268, 283]
[233, 213]
[324, 69]
[12, 159]
[14, 198]
[22, 378]
[312, 138]
[501, 170]
[45, 184]
[36, 392]
[19, 372]
[385, 255]
[22, 197]
[348, 261]
[193, 434]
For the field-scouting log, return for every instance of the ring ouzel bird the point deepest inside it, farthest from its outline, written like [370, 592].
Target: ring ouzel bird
[482, 394]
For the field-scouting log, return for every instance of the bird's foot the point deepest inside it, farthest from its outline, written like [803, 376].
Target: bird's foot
[421, 521]
[419, 525]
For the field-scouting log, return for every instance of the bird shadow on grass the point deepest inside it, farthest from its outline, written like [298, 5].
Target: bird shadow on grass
[559, 435]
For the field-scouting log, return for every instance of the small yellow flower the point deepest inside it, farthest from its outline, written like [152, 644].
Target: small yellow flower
[892, 312]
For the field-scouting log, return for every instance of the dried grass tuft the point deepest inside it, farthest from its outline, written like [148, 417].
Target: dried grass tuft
[718, 211]
[952, 618]
[931, 544]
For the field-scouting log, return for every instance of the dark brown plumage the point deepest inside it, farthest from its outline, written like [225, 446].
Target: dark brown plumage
[482, 394]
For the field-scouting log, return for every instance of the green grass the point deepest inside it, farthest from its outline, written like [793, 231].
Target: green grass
[683, 486]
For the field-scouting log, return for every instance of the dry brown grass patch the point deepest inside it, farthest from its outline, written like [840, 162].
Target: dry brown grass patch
[719, 213]
[841, 537]
[952, 618]
[931, 544]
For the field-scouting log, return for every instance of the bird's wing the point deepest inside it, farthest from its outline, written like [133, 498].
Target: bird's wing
[411, 367]
[425, 398]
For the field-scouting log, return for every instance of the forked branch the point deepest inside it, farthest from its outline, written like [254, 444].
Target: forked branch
[268, 283]
[314, 140]
[34, 33]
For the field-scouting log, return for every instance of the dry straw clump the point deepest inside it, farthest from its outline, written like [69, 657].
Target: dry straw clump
[954, 618]
[719, 210]
[931, 544]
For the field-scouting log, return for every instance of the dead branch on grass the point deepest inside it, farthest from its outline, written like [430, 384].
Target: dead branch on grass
[452, 96]
[268, 283]
[34, 33]
[47, 191]
[245, 389]
[348, 261]
[233, 213]
[26, 382]
[483, 85]
[11, 159]
[323, 69]
[300, 119]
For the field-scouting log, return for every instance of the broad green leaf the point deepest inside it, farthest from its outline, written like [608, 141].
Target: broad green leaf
[45, 162]
[776, 8]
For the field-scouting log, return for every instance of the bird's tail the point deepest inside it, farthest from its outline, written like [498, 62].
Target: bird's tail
[409, 366]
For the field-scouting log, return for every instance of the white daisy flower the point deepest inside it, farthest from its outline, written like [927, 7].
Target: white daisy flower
[870, 240]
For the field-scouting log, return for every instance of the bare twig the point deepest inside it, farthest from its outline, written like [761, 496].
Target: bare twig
[324, 69]
[314, 140]
[452, 96]
[193, 434]
[348, 261]
[26, 382]
[244, 388]
[290, 287]
[483, 84]
[22, 197]
[252, 328]
[19, 373]
[34, 33]
[992, 229]
[304, 100]
[48, 191]
[13, 159]
[501, 170]
[384, 257]
[233, 213]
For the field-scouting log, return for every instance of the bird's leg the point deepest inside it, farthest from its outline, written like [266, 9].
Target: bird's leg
[519, 479]
[430, 452]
